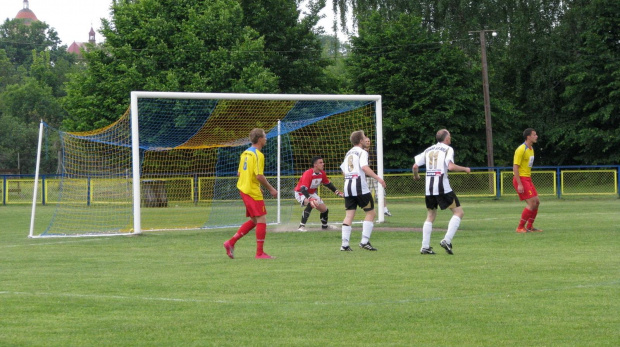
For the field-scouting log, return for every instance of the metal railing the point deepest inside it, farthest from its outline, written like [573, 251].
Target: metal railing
[560, 181]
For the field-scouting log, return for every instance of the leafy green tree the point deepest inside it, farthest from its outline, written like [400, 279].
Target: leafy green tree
[54, 73]
[19, 40]
[33, 69]
[8, 71]
[293, 50]
[426, 85]
[30, 102]
[335, 51]
[190, 45]
[17, 144]
[590, 129]
[526, 61]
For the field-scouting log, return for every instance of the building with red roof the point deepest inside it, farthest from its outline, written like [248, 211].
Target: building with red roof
[28, 17]
[26, 14]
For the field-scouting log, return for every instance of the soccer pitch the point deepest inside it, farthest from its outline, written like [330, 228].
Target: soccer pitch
[558, 287]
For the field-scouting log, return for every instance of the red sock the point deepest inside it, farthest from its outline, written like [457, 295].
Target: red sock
[261, 232]
[525, 215]
[532, 217]
[243, 230]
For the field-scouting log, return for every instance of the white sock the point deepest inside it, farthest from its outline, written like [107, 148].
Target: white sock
[385, 209]
[367, 231]
[346, 235]
[453, 226]
[427, 229]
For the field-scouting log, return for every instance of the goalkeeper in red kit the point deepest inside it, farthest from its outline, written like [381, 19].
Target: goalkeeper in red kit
[522, 181]
[305, 193]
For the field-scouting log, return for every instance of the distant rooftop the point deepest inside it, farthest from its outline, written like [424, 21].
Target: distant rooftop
[26, 14]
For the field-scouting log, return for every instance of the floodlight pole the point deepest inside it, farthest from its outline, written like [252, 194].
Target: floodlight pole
[487, 98]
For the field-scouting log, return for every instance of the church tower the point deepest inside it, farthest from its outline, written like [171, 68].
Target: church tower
[26, 14]
[91, 36]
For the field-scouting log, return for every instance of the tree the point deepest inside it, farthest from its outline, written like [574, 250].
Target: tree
[30, 102]
[54, 73]
[8, 72]
[19, 40]
[519, 83]
[590, 133]
[18, 150]
[191, 46]
[292, 48]
[426, 85]
[33, 69]
[335, 52]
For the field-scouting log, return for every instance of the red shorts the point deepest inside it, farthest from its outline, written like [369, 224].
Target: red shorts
[253, 208]
[529, 191]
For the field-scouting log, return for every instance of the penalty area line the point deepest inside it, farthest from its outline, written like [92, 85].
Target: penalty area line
[44, 243]
[263, 302]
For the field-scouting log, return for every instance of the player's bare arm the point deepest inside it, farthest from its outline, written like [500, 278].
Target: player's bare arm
[453, 167]
[515, 172]
[263, 181]
[415, 168]
[368, 171]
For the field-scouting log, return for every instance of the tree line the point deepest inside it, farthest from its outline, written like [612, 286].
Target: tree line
[554, 65]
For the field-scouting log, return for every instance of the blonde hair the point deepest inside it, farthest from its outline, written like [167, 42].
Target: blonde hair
[256, 134]
[357, 137]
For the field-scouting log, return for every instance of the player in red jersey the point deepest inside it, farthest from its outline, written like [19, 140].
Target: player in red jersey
[305, 192]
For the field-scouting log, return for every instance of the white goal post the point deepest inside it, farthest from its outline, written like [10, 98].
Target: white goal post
[198, 126]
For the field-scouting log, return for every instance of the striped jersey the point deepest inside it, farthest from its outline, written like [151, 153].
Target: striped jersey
[524, 157]
[436, 158]
[354, 177]
[252, 163]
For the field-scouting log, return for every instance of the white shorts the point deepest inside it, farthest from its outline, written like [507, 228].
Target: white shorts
[300, 198]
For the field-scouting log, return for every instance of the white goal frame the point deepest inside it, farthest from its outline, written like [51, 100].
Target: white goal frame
[135, 141]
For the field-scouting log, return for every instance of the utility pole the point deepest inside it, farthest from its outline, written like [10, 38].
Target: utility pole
[485, 91]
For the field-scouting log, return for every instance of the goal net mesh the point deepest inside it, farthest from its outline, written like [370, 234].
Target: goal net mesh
[189, 154]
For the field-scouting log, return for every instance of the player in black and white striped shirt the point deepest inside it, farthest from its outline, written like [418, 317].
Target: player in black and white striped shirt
[439, 159]
[356, 193]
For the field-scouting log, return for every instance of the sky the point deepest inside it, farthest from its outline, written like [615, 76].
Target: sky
[73, 19]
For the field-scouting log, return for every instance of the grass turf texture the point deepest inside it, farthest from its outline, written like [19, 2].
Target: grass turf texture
[559, 287]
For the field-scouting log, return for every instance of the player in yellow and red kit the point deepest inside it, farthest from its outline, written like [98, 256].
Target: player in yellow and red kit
[522, 181]
[250, 172]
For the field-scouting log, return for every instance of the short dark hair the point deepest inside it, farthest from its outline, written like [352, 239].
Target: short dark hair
[315, 159]
[527, 132]
[441, 135]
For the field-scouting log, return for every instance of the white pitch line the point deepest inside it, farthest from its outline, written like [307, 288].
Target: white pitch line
[43, 243]
[365, 303]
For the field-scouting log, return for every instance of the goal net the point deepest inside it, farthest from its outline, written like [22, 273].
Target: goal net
[170, 162]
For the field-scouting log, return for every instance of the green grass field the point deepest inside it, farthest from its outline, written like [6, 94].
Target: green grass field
[556, 288]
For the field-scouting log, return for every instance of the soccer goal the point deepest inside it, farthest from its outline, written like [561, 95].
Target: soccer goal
[170, 162]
